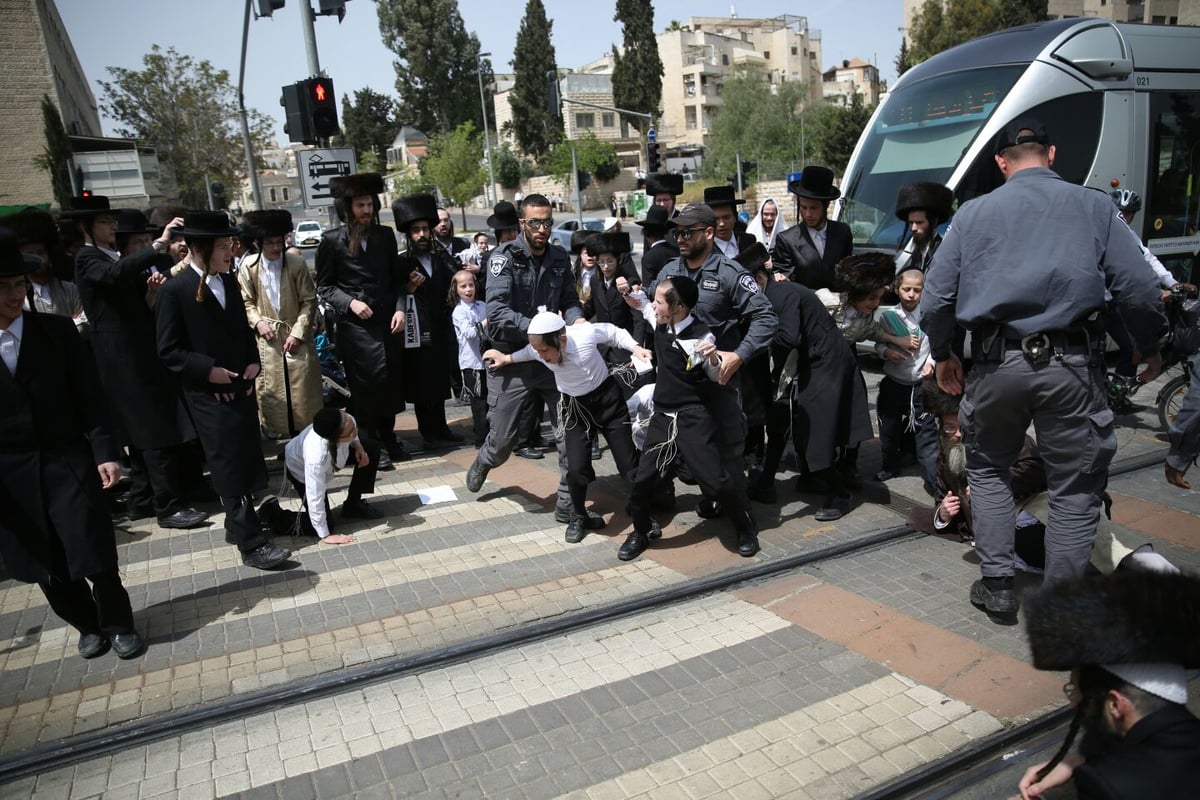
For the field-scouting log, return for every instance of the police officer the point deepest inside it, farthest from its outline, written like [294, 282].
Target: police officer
[523, 275]
[729, 300]
[1024, 269]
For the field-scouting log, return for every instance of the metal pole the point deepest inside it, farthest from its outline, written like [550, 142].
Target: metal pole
[208, 191]
[310, 38]
[251, 168]
[490, 194]
[738, 156]
[578, 191]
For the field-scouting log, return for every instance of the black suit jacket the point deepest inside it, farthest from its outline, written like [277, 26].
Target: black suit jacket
[655, 257]
[194, 337]
[796, 256]
[1159, 758]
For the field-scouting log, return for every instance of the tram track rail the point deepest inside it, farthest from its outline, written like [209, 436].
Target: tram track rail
[146, 731]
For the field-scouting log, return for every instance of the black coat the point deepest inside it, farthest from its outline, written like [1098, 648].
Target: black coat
[193, 337]
[427, 368]
[608, 305]
[828, 396]
[53, 434]
[654, 258]
[144, 396]
[796, 256]
[371, 354]
[1159, 758]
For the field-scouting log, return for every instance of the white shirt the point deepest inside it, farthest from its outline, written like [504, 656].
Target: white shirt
[307, 458]
[10, 343]
[42, 290]
[113, 254]
[215, 284]
[582, 368]
[466, 318]
[272, 274]
[729, 248]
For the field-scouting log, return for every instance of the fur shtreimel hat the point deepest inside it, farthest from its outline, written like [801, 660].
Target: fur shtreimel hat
[581, 240]
[664, 183]
[937, 402]
[359, 185]
[937, 200]
[272, 222]
[863, 273]
[1124, 618]
[32, 225]
[615, 242]
[415, 208]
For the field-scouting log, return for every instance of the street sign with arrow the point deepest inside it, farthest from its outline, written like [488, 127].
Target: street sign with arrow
[318, 168]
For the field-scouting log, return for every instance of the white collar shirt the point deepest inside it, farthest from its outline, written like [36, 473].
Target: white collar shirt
[582, 368]
[10, 343]
[728, 247]
[215, 285]
[272, 275]
[818, 238]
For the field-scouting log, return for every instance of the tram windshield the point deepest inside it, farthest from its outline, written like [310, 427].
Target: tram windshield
[920, 134]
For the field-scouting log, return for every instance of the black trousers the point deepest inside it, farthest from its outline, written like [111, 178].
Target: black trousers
[154, 479]
[898, 407]
[602, 411]
[474, 391]
[362, 481]
[242, 523]
[431, 418]
[697, 441]
[101, 608]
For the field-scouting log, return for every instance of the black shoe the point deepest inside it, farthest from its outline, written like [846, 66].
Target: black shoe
[529, 452]
[596, 454]
[135, 513]
[708, 508]
[884, 475]
[576, 530]
[266, 556]
[763, 491]
[995, 595]
[385, 462]
[476, 474]
[594, 521]
[92, 645]
[128, 645]
[637, 542]
[396, 452]
[183, 519]
[747, 542]
[835, 507]
[358, 509]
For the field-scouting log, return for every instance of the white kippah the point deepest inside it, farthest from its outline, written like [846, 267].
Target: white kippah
[546, 322]
[1165, 680]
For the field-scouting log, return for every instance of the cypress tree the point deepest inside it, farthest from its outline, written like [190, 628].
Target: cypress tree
[533, 126]
[638, 71]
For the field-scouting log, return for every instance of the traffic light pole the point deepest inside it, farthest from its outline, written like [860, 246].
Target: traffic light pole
[578, 191]
[251, 167]
[307, 20]
[648, 117]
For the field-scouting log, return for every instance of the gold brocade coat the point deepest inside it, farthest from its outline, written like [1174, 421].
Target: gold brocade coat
[298, 308]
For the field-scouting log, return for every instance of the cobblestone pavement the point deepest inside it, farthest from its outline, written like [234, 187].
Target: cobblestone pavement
[821, 683]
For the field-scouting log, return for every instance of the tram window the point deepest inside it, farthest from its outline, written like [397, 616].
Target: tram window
[1073, 123]
[1173, 190]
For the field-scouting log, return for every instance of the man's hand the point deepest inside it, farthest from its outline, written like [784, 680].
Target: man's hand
[622, 285]
[397, 322]
[580, 321]
[496, 358]
[360, 454]
[1176, 477]
[950, 375]
[110, 473]
[779, 277]
[290, 344]
[360, 309]
[221, 375]
[643, 353]
[927, 369]
[164, 238]
[1154, 365]
[950, 507]
[1030, 787]
[265, 330]
[415, 279]
[730, 362]
[892, 354]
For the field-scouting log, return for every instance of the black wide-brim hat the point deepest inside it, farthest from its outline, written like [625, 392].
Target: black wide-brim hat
[664, 183]
[935, 199]
[12, 261]
[347, 187]
[207, 225]
[415, 208]
[815, 183]
[722, 196]
[86, 206]
[131, 221]
[863, 273]
[504, 217]
[581, 239]
[32, 225]
[271, 222]
[754, 258]
[615, 242]
[656, 220]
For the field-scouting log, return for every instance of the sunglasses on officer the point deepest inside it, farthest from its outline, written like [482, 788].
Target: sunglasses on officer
[687, 233]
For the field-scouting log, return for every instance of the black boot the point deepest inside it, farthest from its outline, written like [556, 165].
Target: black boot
[637, 541]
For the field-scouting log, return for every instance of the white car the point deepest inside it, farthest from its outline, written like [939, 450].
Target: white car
[308, 234]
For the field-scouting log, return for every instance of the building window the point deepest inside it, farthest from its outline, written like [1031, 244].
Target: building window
[1158, 19]
[608, 120]
[585, 120]
[767, 55]
[285, 194]
[272, 194]
[794, 51]
[725, 59]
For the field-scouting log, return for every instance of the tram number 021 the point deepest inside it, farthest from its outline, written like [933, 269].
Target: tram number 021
[1143, 80]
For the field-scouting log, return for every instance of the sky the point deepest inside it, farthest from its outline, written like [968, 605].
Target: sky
[117, 33]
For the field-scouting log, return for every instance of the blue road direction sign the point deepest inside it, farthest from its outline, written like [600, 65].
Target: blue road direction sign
[318, 168]
[652, 135]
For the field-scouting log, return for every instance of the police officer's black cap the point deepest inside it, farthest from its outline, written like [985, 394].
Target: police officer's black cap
[694, 214]
[686, 288]
[1012, 134]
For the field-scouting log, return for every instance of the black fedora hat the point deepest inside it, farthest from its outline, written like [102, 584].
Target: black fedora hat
[32, 225]
[12, 261]
[207, 225]
[722, 196]
[504, 217]
[656, 220]
[132, 221]
[664, 183]
[88, 205]
[815, 183]
[415, 208]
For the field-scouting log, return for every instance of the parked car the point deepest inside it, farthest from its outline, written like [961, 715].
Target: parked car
[308, 233]
[561, 233]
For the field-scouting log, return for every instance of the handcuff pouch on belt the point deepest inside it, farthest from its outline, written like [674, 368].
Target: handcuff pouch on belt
[1037, 348]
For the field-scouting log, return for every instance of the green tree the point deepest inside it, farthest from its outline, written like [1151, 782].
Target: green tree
[1021, 12]
[507, 167]
[188, 111]
[436, 64]
[454, 164]
[591, 154]
[936, 28]
[533, 126]
[837, 130]
[903, 62]
[369, 125]
[757, 124]
[56, 153]
[638, 71]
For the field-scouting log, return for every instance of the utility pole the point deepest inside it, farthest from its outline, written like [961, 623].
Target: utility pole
[490, 194]
[307, 17]
[251, 167]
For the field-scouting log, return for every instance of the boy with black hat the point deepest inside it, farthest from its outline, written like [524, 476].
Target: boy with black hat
[730, 232]
[360, 275]
[657, 247]
[55, 529]
[808, 251]
[204, 337]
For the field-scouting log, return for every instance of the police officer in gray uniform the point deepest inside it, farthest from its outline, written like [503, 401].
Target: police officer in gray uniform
[729, 297]
[1024, 269]
[523, 275]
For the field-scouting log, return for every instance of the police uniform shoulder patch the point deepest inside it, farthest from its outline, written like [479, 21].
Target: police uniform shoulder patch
[710, 284]
[748, 283]
[496, 264]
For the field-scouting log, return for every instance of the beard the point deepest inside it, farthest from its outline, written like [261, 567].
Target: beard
[1096, 740]
[955, 453]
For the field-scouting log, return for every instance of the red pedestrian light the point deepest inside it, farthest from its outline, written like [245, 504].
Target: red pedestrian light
[319, 92]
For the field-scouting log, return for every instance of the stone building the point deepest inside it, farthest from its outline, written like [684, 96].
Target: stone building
[853, 77]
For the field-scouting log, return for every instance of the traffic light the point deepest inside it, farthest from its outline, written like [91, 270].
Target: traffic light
[297, 121]
[330, 7]
[323, 107]
[653, 162]
[583, 179]
[265, 8]
[553, 101]
[218, 195]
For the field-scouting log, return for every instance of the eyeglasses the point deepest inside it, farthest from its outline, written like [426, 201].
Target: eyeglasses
[950, 429]
[544, 224]
[1071, 692]
[687, 233]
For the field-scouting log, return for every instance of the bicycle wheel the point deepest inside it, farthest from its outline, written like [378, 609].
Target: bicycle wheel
[1170, 399]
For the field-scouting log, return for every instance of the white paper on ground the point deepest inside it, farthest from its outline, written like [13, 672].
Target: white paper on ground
[437, 494]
